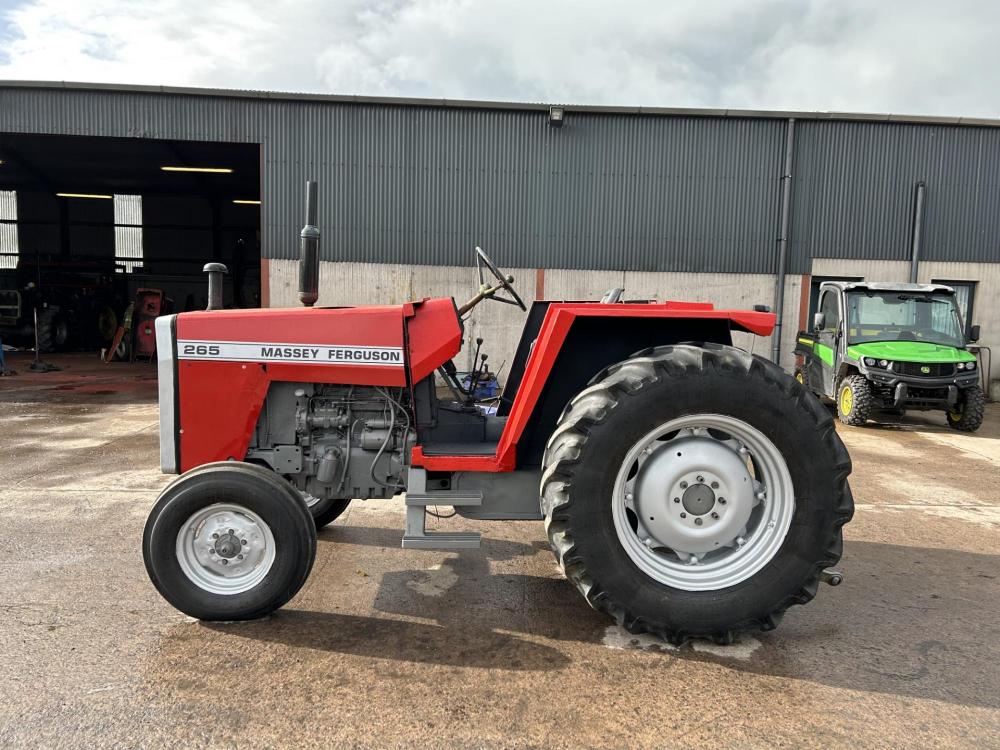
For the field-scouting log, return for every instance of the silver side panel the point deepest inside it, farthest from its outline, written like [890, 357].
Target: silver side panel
[168, 393]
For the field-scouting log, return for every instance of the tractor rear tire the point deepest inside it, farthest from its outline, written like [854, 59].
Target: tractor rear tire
[627, 407]
[855, 400]
[971, 406]
[229, 541]
[53, 331]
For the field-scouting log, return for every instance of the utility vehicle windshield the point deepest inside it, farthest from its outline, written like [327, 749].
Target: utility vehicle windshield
[903, 316]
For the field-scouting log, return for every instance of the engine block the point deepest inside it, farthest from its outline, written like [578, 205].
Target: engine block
[335, 441]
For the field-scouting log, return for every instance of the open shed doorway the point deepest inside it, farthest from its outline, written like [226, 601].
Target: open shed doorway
[87, 222]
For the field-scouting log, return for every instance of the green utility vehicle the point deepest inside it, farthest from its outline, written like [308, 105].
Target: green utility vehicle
[891, 347]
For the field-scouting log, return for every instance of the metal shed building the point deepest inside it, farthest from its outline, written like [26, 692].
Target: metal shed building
[671, 203]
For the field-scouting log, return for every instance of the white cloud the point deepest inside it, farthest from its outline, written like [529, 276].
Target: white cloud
[914, 56]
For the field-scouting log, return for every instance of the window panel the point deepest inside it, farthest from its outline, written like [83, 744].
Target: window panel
[8, 229]
[128, 231]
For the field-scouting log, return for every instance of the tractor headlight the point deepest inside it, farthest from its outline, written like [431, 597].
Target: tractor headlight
[870, 361]
[970, 365]
[883, 363]
[960, 365]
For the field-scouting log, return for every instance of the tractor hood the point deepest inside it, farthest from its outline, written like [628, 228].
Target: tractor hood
[909, 351]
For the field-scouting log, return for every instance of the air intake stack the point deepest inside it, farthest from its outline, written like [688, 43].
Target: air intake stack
[309, 254]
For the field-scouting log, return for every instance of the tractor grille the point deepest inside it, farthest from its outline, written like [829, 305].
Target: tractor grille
[935, 370]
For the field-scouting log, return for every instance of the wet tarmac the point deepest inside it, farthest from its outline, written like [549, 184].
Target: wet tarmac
[490, 648]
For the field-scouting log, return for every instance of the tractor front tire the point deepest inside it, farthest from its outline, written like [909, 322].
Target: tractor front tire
[325, 512]
[854, 400]
[968, 413]
[229, 541]
[633, 482]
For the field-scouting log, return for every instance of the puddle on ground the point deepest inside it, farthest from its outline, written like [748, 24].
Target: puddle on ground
[616, 637]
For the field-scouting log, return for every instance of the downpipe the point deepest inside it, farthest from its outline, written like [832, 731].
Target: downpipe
[786, 210]
[918, 232]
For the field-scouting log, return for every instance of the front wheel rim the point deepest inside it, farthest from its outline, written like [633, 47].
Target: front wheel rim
[225, 549]
[703, 502]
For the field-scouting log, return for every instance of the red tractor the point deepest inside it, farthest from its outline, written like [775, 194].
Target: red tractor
[688, 488]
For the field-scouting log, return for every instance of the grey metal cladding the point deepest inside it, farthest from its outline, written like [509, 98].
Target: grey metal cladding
[420, 184]
[854, 191]
[416, 183]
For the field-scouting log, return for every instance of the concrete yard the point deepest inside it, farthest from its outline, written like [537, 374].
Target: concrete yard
[391, 647]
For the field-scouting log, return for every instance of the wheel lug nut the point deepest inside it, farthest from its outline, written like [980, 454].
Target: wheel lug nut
[701, 478]
[697, 522]
[714, 514]
[684, 485]
[715, 485]
[244, 541]
[740, 541]
[232, 531]
[722, 501]
[239, 557]
[684, 515]
[225, 561]
[215, 536]
[760, 495]
[677, 499]
[628, 495]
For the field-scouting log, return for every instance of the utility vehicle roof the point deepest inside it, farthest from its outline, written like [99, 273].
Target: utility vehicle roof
[887, 286]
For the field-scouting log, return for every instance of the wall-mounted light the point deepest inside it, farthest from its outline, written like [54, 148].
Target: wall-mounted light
[85, 195]
[205, 170]
[556, 116]
[246, 203]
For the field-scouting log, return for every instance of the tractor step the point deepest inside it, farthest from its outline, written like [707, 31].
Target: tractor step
[417, 500]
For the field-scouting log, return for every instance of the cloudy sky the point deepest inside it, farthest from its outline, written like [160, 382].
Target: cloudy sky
[902, 56]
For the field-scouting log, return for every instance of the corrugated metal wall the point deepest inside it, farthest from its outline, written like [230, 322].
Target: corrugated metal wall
[418, 184]
[855, 186]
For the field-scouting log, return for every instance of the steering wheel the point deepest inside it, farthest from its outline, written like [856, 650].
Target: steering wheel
[506, 282]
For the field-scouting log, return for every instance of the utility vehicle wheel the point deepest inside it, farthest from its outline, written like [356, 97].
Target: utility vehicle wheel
[325, 512]
[229, 541]
[967, 415]
[854, 400]
[53, 331]
[695, 492]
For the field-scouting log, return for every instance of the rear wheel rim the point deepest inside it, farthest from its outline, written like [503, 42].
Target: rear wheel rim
[702, 502]
[225, 549]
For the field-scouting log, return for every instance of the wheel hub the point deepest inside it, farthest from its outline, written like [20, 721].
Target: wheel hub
[228, 545]
[710, 500]
[698, 499]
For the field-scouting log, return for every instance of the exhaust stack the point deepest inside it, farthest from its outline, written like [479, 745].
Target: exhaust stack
[215, 273]
[309, 253]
